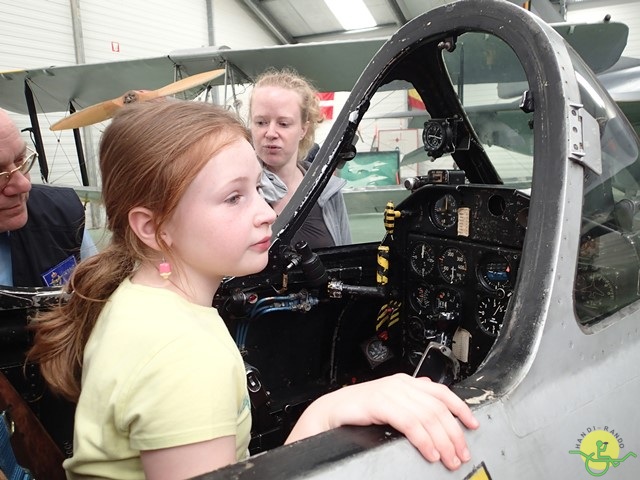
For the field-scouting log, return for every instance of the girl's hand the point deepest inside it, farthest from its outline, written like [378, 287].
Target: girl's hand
[420, 409]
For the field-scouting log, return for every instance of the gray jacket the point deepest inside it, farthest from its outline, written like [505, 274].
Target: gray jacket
[334, 209]
[331, 202]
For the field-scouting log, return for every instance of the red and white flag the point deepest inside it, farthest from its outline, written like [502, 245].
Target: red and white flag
[326, 104]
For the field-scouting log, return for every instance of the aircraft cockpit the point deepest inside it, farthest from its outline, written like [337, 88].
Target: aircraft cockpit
[443, 256]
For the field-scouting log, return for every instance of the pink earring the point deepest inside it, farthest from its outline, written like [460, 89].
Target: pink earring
[164, 269]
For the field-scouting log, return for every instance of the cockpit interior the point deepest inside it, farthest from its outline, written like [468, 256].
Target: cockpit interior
[427, 286]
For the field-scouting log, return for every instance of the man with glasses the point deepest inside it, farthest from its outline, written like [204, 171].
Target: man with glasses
[42, 234]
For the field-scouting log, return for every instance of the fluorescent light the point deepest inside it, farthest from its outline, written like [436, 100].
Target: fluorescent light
[352, 14]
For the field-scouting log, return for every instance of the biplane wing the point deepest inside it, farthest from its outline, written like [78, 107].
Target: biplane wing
[333, 66]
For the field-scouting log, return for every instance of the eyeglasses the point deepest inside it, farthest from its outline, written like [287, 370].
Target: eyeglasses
[27, 162]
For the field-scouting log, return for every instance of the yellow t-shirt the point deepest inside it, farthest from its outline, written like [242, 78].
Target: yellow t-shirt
[158, 372]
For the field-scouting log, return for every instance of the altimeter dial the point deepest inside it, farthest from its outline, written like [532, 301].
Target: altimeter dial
[491, 311]
[445, 211]
[422, 259]
[452, 264]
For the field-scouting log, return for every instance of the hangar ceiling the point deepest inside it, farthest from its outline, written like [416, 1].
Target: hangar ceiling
[300, 21]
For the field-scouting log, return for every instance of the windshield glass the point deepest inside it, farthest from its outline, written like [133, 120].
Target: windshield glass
[608, 263]
[490, 83]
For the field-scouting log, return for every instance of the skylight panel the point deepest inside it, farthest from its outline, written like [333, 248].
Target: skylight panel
[352, 14]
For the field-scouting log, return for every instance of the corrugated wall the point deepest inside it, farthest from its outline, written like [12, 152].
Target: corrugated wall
[236, 28]
[125, 29]
[34, 34]
[39, 33]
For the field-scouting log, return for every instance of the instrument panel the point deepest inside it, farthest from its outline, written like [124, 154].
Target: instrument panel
[443, 275]
[463, 246]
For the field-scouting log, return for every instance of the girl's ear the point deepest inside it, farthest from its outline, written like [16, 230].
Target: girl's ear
[143, 225]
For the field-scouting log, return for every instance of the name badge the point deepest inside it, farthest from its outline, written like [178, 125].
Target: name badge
[61, 273]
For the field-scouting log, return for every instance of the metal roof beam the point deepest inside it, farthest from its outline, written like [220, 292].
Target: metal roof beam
[269, 22]
[397, 12]
[380, 31]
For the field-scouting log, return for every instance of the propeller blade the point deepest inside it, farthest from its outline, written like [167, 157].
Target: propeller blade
[189, 82]
[107, 109]
[90, 115]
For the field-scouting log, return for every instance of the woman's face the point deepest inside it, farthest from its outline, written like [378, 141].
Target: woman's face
[222, 225]
[276, 125]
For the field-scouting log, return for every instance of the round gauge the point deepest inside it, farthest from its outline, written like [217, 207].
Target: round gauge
[415, 329]
[376, 351]
[453, 265]
[594, 290]
[433, 136]
[421, 258]
[447, 301]
[445, 211]
[495, 272]
[420, 299]
[491, 313]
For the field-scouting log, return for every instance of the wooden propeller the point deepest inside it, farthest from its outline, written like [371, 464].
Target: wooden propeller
[107, 109]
